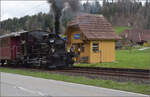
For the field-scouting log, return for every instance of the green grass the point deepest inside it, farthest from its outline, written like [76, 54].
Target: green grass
[127, 59]
[138, 88]
[120, 29]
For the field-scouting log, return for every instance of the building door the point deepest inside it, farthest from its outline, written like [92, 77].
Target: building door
[76, 47]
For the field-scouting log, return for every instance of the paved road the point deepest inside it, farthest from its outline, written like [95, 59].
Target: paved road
[18, 85]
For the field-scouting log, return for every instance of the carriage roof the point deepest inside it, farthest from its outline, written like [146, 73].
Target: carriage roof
[13, 34]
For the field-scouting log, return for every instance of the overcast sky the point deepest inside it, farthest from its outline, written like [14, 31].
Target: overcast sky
[20, 8]
[10, 9]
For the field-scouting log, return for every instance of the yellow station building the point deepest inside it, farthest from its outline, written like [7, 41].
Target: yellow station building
[92, 37]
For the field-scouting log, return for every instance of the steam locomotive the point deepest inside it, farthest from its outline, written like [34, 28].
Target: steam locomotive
[34, 48]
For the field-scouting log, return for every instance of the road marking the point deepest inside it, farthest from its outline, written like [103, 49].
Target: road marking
[41, 94]
[30, 91]
[25, 89]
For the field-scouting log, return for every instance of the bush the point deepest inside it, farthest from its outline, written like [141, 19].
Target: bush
[147, 44]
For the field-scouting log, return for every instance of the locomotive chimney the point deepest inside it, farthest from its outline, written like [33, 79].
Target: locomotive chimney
[56, 8]
[57, 24]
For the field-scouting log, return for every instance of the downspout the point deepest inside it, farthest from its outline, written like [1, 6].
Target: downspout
[100, 56]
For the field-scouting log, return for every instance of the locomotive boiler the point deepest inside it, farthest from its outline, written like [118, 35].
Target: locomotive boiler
[35, 48]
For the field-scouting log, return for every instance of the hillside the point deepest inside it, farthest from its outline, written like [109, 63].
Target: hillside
[119, 14]
[39, 21]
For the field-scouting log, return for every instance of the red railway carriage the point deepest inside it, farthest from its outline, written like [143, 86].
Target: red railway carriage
[9, 47]
[34, 48]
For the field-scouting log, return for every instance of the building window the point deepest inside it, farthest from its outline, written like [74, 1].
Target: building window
[78, 45]
[95, 47]
[82, 47]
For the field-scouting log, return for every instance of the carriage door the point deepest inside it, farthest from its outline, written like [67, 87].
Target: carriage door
[15, 45]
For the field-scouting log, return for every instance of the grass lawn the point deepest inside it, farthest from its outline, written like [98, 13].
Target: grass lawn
[120, 29]
[127, 59]
[138, 88]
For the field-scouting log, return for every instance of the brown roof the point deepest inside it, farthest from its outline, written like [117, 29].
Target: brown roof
[137, 35]
[94, 27]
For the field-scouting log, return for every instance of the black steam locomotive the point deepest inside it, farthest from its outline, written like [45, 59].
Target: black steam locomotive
[45, 49]
[36, 48]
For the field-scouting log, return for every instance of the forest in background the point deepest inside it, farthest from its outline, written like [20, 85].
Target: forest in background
[122, 13]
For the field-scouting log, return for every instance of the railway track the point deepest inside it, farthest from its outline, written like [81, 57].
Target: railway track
[100, 71]
[118, 72]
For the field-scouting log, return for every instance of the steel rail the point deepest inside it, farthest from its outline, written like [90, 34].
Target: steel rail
[134, 73]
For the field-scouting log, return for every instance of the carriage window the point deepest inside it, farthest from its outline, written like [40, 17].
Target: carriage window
[8, 42]
[0, 43]
[95, 47]
[82, 47]
[4, 43]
